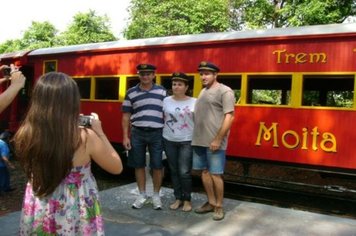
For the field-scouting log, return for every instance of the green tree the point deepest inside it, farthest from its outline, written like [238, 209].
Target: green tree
[155, 18]
[39, 35]
[252, 14]
[11, 45]
[87, 28]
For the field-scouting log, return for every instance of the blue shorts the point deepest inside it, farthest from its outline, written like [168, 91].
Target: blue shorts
[141, 141]
[205, 159]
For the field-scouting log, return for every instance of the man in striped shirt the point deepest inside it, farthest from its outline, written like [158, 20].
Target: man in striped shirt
[142, 123]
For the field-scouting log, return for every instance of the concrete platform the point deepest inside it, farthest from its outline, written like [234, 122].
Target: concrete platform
[242, 218]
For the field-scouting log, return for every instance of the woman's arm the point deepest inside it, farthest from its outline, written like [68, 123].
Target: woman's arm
[17, 82]
[101, 150]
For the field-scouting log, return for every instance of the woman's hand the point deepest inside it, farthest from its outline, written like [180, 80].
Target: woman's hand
[96, 125]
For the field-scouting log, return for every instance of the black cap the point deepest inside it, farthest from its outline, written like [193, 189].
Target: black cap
[205, 65]
[145, 67]
[180, 76]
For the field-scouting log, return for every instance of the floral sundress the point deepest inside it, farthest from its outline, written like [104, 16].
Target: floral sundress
[72, 209]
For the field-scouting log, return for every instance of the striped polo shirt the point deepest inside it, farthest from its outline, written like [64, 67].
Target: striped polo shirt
[146, 107]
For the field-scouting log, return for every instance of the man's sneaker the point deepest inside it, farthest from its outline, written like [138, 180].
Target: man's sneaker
[207, 207]
[218, 213]
[139, 202]
[156, 200]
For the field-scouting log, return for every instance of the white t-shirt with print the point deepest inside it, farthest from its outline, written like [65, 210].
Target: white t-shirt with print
[178, 119]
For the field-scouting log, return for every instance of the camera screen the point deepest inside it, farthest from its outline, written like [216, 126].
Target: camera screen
[7, 71]
[85, 121]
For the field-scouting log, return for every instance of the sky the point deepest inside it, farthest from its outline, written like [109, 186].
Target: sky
[17, 18]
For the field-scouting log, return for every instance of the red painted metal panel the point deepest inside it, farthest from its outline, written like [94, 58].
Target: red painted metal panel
[295, 124]
[110, 116]
[233, 57]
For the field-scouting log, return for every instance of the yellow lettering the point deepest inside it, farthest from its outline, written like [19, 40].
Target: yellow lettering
[292, 133]
[327, 144]
[317, 57]
[283, 56]
[267, 134]
[300, 58]
[328, 138]
[289, 55]
[315, 135]
[279, 52]
[305, 139]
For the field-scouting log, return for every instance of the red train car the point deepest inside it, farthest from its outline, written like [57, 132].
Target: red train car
[296, 86]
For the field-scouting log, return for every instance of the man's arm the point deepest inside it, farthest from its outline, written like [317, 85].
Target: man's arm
[224, 129]
[125, 130]
[7, 162]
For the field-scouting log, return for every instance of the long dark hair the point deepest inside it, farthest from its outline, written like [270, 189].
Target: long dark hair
[47, 139]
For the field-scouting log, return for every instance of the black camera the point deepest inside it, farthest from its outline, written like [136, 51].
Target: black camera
[85, 121]
[6, 72]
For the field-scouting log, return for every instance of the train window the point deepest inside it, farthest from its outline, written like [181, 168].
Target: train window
[271, 89]
[84, 87]
[233, 81]
[166, 82]
[50, 66]
[107, 88]
[328, 90]
[132, 81]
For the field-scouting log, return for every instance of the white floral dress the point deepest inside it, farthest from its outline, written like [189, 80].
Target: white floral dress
[72, 209]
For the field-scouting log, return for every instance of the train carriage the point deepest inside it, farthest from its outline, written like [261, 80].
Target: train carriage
[295, 87]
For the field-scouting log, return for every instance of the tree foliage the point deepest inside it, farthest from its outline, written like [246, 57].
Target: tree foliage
[85, 28]
[40, 35]
[154, 18]
[252, 14]
[88, 28]
[11, 45]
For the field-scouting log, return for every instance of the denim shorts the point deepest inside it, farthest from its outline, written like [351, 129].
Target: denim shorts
[205, 159]
[141, 141]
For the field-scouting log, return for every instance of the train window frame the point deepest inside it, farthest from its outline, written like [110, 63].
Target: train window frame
[323, 92]
[132, 81]
[82, 89]
[101, 82]
[234, 81]
[279, 84]
[50, 66]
